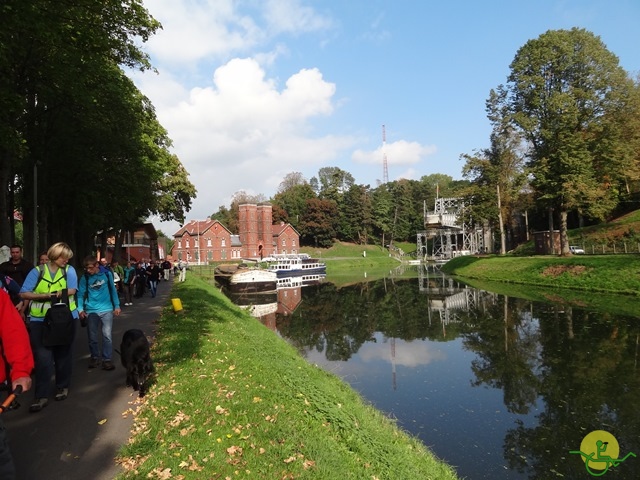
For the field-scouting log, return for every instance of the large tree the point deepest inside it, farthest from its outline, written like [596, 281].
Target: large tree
[355, 224]
[75, 133]
[497, 175]
[318, 227]
[291, 204]
[568, 95]
[334, 182]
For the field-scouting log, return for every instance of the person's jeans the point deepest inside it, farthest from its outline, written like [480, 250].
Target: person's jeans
[153, 284]
[128, 292]
[94, 322]
[48, 360]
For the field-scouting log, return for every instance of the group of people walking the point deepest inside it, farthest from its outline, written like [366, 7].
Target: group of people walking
[28, 292]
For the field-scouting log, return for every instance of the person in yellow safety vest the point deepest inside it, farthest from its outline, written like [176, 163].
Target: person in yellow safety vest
[41, 287]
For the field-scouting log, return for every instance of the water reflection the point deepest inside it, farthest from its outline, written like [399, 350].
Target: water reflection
[500, 387]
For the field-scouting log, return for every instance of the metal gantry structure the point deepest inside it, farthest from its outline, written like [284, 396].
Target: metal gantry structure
[448, 232]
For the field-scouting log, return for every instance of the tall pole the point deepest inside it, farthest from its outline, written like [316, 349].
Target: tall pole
[35, 213]
[198, 224]
[385, 168]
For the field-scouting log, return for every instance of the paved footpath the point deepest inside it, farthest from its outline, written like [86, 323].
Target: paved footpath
[78, 438]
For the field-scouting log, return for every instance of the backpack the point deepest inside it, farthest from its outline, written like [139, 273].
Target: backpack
[10, 286]
[58, 325]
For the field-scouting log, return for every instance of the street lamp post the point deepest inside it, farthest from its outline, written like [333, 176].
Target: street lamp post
[198, 224]
[35, 213]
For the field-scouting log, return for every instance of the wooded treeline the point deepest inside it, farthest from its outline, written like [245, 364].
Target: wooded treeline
[564, 151]
[81, 149]
[333, 207]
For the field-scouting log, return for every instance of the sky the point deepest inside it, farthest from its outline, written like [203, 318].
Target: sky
[252, 90]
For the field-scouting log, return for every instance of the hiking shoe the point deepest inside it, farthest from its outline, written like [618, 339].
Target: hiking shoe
[61, 394]
[108, 365]
[94, 363]
[38, 405]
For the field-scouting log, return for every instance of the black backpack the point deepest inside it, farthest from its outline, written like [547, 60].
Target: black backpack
[58, 325]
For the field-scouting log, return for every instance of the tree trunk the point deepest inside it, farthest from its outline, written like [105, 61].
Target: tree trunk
[6, 235]
[564, 238]
[552, 248]
[503, 242]
[120, 234]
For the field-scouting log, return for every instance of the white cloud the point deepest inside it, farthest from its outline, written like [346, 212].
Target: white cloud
[397, 153]
[292, 17]
[408, 354]
[197, 29]
[409, 174]
[242, 131]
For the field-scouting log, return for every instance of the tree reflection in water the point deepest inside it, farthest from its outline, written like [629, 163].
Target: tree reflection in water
[562, 371]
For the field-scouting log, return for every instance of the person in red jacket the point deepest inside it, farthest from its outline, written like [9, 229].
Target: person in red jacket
[16, 352]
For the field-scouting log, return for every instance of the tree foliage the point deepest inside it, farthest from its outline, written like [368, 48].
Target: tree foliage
[74, 130]
[568, 96]
[292, 203]
[334, 182]
[496, 192]
[318, 227]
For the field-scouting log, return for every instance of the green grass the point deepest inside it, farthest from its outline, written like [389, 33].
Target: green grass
[616, 274]
[347, 264]
[233, 400]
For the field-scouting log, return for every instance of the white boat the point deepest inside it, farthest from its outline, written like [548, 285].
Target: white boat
[301, 281]
[257, 304]
[262, 309]
[299, 264]
[242, 279]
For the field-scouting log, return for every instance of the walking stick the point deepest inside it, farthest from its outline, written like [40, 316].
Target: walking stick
[9, 400]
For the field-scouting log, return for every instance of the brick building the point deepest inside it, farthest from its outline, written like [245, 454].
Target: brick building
[141, 243]
[204, 241]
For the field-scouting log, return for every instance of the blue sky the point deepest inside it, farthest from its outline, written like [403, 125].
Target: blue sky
[251, 90]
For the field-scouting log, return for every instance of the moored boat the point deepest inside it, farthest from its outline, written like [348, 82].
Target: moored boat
[296, 265]
[257, 304]
[243, 279]
[300, 281]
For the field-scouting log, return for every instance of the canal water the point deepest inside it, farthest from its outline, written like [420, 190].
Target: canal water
[498, 387]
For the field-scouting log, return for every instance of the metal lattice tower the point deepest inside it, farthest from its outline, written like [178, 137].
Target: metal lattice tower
[448, 231]
[385, 167]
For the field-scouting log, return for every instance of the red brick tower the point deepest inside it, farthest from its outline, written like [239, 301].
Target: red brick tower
[265, 231]
[248, 230]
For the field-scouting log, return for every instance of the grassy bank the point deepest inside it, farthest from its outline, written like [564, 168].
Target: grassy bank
[614, 274]
[233, 400]
[350, 263]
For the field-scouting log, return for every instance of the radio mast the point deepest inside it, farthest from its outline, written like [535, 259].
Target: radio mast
[385, 168]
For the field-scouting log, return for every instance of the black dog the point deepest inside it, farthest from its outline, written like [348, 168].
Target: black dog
[136, 359]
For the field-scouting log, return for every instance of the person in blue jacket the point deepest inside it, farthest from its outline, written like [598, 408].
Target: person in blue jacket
[98, 302]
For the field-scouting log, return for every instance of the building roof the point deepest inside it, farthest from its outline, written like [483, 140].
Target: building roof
[279, 228]
[196, 227]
